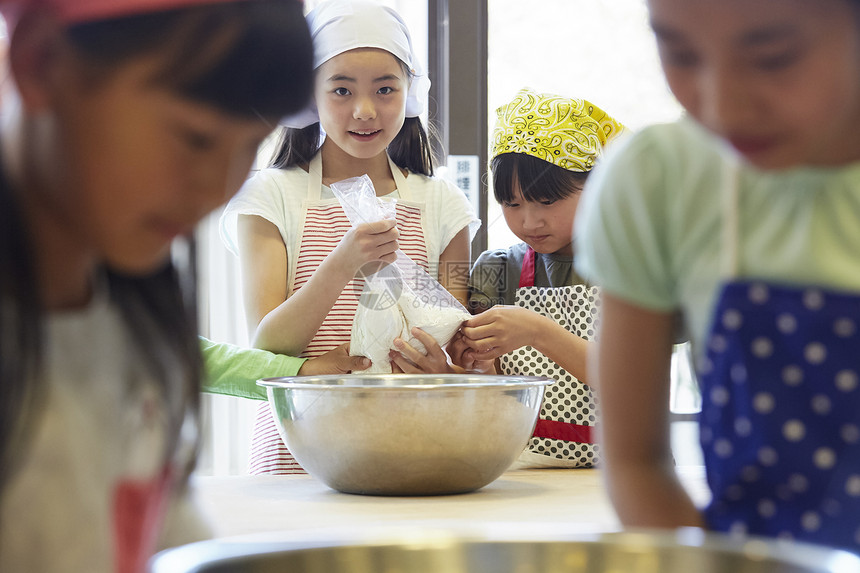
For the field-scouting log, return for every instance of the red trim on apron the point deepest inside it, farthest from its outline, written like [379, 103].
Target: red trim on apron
[556, 430]
[139, 506]
[553, 429]
[527, 273]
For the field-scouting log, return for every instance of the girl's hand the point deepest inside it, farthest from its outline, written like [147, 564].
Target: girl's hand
[407, 359]
[466, 358]
[459, 351]
[368, 243]
[502, 329]
[336, 361]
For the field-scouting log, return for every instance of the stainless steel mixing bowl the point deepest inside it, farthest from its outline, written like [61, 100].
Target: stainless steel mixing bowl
[685, 551]
[400, 434]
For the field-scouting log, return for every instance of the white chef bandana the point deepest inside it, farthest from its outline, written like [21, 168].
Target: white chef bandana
[338, 26]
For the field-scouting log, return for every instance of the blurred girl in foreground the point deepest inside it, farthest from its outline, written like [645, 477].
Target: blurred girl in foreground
[744, 222]
[124, 123]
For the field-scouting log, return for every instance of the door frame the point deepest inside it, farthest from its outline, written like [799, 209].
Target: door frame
[458, 52]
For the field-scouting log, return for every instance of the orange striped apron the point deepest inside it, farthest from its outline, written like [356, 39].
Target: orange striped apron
[324, 224]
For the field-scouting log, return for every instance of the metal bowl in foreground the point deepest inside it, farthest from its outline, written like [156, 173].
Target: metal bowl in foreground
[400, 434]
[684, 551]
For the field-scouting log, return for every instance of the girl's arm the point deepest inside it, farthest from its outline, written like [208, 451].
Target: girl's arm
[454, 263]
[287, 325]
[631, 364]
[502, 329]
[233, 371]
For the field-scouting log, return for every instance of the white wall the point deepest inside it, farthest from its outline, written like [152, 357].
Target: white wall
[599, 50]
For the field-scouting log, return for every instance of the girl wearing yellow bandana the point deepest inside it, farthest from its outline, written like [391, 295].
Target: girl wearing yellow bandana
[534, 313]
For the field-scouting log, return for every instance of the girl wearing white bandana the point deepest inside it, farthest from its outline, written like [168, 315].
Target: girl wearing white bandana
[300, 260]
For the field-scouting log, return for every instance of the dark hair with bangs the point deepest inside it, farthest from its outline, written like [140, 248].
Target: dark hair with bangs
[537, 179]
[246, 58]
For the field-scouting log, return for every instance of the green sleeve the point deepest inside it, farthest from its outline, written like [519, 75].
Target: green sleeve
[234, 371]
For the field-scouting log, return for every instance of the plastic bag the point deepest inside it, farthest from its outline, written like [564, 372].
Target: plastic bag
[398, 297]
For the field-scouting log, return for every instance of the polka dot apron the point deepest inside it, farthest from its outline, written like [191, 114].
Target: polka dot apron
[780, 420]
[323, 226]
[564, 435]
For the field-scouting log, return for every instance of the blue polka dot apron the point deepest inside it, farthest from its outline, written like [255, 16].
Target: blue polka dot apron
[564, 434]
[780, 420]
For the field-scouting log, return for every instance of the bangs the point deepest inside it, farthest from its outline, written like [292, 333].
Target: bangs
[537, 179]
[249, 58]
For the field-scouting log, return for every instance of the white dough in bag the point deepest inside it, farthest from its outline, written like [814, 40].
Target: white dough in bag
[374, 328]
[439, 320]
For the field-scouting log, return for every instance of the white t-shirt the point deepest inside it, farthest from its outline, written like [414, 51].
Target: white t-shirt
[98, 440]
[277, 195]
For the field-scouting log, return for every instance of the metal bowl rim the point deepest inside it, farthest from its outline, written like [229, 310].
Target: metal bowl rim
[223, 550]
[493, 381]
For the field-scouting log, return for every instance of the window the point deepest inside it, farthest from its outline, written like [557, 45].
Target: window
[599, 50]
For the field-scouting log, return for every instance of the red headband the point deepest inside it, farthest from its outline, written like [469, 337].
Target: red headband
[77, 11]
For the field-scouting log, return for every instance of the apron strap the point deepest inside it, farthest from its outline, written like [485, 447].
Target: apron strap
[730, 248]
[315, 178]
[527, 273]
[399, 179]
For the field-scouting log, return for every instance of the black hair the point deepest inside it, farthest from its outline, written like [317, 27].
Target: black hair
[538, 180]
[248, 59]
[20, 328]
[251, 58]
[410, 149]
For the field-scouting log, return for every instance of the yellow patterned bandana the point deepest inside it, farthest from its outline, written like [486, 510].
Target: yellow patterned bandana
[566, 132]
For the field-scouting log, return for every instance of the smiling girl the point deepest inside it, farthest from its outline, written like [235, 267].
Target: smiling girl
[744, 222]
[535, 313]
[300, 259]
